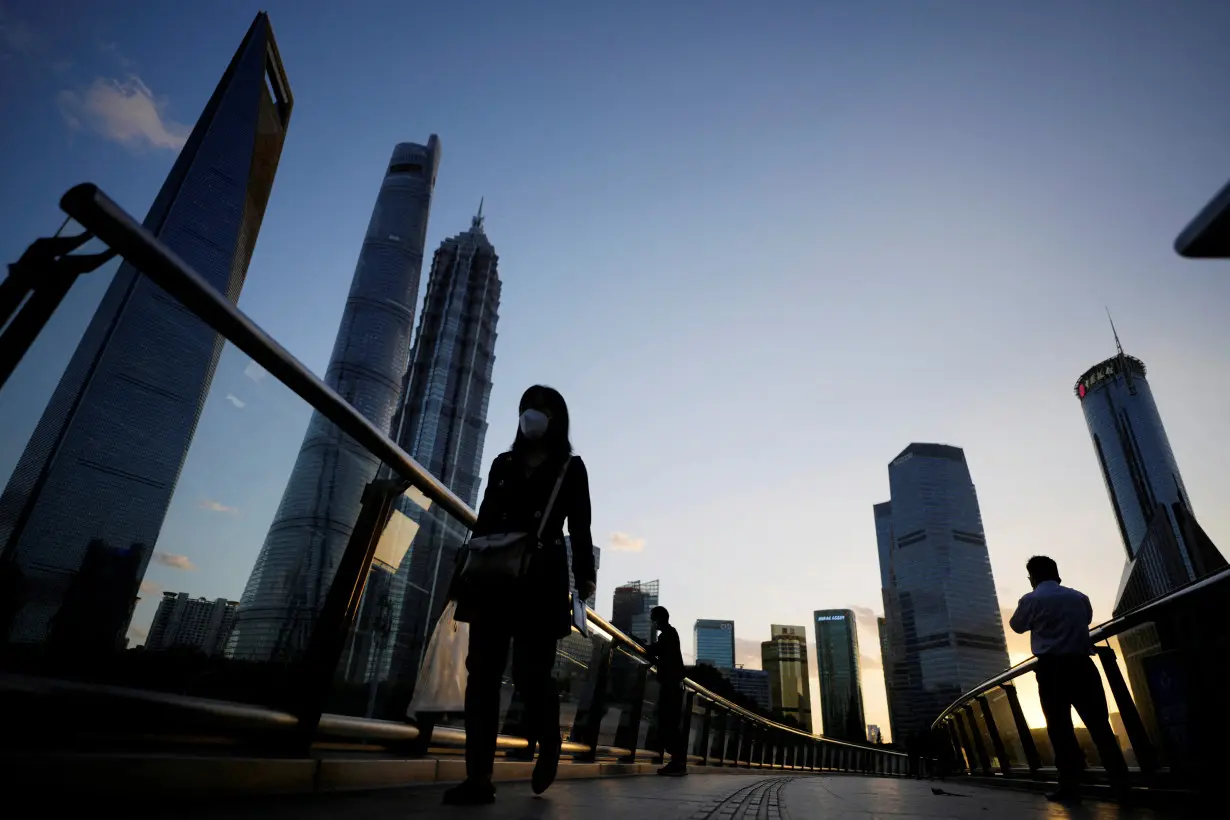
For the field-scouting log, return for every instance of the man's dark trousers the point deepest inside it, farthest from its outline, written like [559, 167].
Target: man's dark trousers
[670, 718]
[1067, 681]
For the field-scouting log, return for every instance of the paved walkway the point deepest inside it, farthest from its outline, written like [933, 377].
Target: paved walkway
[709, 796]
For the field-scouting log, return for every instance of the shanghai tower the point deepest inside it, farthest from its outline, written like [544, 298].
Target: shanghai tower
[370, 356]
[84, 506]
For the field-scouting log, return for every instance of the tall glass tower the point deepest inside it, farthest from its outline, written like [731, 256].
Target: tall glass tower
[321, 501]
[944, 628]
[715, 643]
[841, 687]
[97, 475]
[1165, 547]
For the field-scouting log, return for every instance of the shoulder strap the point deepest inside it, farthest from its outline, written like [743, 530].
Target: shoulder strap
[546, 514]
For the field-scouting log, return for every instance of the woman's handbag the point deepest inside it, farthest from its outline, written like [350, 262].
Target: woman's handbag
[441, 686]
[505, 556]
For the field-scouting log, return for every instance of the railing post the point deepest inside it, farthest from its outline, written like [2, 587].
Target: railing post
[340, 608]
[967, 715]
[689, 699]
[705, 725]
[637, 711]
[1032, 758]
[591, 727]
[963, 743]
[1142, 746]
[996, 741]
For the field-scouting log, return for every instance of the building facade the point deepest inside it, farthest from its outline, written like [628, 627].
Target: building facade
[784, 657]
[874, 735]
[104, 459]
[715, 643]
[371, 352]
[1142, 482]
[944, 627]
[630, 609]
[752, 683]
[442, 423]
[841, 688]
[184, 622]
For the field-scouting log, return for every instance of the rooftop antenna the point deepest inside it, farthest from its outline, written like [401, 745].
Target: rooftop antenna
[476, 224]
[1123, 362]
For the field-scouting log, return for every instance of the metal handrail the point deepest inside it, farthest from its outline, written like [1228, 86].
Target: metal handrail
[101, 216]
[1102, 632]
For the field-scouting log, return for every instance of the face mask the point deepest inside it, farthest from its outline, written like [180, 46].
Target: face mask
[533, 424]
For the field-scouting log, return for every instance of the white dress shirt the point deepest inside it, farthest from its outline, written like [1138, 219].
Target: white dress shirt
[1057, 619]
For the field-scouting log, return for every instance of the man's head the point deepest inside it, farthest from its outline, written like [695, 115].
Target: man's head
[1041, 569]
[659, 617]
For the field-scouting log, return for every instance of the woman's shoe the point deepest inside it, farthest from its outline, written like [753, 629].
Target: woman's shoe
[547, 765]
[470, 792]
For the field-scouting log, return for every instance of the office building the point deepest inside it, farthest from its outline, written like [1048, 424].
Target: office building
[631, 607]
[184, 622]
[874, 735]
[942, 618]
[841, 688]
[104, 459]
[442, 423]
[715, 643]
[1142, 482]
[753, 684]
[592, 600]
[371, 352]
[784, 657]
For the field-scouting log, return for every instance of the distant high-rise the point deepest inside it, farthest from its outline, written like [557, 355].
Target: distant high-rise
[715, 643]
[106, 455]
[443, 421]
[874, 735]
[183, 622]
[784, 657]
[321, 501]
[1142, 480]
[592, 600]
[944, 628]
[752, 683]
[841, 688]
[631, 607]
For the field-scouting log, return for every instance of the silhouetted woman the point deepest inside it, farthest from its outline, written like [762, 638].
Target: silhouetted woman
[535, 611]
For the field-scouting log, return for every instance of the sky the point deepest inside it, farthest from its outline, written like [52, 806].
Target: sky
[759, 248]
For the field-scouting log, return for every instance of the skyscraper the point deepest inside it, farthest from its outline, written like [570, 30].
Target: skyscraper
[715, 643]
[784, 657]
[183, 622]
[592, 601]
[631, 607]
[1142, 481]
[942, 616]
[841, 688]
[321, 501]
[443, 423]
[101, 467]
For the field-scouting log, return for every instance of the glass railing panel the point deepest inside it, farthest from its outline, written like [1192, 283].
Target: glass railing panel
[155, 534]
[579, 660]
[623, 688]
[696, 726]
[1001, 710]
[647, 731]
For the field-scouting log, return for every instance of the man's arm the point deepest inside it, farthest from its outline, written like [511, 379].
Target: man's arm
[1023, 616]
[1088, 609]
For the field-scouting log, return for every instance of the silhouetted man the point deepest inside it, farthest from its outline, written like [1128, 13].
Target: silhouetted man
[668, 657]
[1058, 618]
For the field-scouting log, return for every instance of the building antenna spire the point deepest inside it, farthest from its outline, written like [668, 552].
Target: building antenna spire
[1124, 368]
[476, 224]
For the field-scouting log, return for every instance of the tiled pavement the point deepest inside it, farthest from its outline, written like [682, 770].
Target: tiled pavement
[720, 795]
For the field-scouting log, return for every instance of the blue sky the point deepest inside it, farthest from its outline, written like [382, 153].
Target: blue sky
[759, 248]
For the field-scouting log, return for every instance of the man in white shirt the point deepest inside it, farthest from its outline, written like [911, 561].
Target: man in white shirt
[1058, 619]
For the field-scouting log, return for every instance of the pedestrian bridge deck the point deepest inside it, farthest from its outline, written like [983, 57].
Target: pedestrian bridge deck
[715, 794]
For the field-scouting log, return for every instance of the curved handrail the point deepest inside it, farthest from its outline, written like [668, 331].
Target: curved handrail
[1102, 632]
[104, 218]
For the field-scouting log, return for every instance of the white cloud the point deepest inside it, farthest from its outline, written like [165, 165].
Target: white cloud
[255, 372]
[123, 111]
[235, 400]
[150, 588]
[170, 559]
[622, 542]
[217, 506]
[138, 632]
